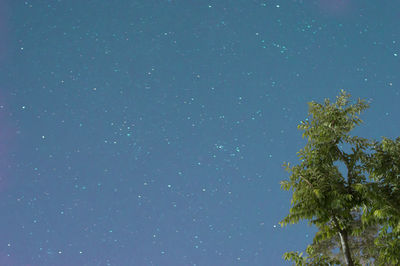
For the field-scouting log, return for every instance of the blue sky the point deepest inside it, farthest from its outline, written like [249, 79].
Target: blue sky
[154, 132]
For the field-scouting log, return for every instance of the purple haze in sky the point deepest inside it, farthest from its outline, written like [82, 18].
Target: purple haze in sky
[335, 7]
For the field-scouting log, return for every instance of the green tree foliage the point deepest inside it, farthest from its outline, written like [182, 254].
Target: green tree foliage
[361, 244]
[357, 212]
[383, 193]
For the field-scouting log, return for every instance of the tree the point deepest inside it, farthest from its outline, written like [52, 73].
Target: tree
[349, 210]
[362, 245]
[384, 198]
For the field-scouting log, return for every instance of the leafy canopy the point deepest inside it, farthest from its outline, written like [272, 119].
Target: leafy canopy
[358, 211]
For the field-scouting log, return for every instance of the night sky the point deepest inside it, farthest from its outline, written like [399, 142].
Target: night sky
[153, 132]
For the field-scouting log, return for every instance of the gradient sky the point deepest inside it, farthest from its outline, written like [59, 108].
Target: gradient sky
[154, 132]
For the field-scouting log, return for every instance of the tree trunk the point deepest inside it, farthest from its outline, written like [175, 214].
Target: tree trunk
[345, 247]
